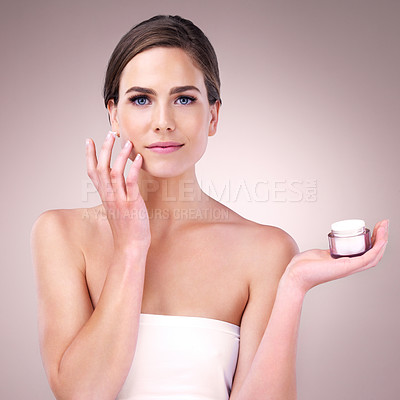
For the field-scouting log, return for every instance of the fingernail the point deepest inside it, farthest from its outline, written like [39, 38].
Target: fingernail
[127, 144]
[138, 155]
[87, 142]
[112, 133]
[109, 136]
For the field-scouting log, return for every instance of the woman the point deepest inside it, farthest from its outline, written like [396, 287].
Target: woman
[147, 294]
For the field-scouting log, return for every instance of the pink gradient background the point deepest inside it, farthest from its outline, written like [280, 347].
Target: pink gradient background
[310, 91]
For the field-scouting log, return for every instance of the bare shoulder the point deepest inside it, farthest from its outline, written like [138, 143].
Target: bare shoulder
[72, 222]
[69, 218]
[55, 223]
[69, 228]
[267, 249]
[273, 248]
[58, 219]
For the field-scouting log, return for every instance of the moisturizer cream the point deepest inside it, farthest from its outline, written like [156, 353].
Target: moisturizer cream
[349, 238]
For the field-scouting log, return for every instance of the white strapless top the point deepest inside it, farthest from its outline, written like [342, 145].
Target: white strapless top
[182, 358]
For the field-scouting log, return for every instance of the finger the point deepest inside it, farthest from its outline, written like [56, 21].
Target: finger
[381, 233]
[381, 252]
[91, 161]
[132, 187]
[381, 239]
[105, 152]
[374, 232]
[117, 171]
[377, 226]
[103, 169]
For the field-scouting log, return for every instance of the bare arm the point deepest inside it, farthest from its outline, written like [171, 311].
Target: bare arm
[263, 310]
[87, 353]
[272, 372]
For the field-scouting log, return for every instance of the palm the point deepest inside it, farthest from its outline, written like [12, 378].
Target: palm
[313, 267]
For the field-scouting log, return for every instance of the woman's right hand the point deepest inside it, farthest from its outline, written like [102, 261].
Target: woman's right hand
[125, 208]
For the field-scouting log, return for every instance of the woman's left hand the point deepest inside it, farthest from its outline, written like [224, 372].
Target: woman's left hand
[313, 267]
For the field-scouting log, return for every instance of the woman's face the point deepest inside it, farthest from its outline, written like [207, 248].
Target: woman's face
[163, 110]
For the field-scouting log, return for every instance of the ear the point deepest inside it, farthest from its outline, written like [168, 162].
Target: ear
[214, 112]
[112, 113]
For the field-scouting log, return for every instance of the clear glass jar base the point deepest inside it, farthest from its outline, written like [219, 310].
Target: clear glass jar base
[348, 255]
[349, 246]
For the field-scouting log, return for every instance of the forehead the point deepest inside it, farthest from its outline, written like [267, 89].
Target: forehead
[162, 67]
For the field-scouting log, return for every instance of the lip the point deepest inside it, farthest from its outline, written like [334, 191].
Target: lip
[164, 147]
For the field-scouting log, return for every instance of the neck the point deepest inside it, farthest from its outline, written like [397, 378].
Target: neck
[167, 198]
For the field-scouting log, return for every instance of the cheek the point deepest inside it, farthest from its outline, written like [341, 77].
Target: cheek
[195, 122]
[133, 124]
[199, 134]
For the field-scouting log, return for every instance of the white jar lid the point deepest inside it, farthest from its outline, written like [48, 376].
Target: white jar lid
[348, 227]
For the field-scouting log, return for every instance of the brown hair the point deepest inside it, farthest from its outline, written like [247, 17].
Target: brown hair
[164, 31]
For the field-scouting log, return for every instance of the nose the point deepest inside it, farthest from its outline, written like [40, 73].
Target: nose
[163, 119]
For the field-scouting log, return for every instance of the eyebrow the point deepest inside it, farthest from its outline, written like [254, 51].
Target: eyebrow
[174, 90]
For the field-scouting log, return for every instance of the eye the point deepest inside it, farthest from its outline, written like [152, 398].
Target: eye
[139, 100]
[185, 100]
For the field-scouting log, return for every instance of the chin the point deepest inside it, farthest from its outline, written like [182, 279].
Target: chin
[163, 170]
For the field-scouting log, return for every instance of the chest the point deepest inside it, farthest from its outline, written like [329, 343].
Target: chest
[185, 275]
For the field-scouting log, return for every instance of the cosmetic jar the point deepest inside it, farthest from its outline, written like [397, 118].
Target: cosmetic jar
[349, 238]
